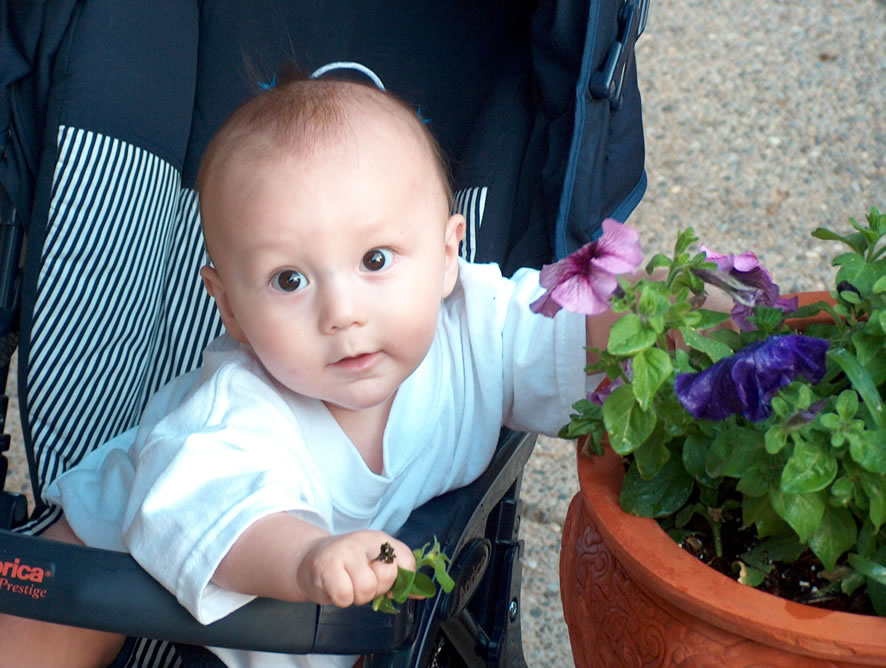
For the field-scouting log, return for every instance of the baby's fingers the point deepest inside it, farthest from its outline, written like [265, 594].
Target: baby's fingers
[371, 579]
[392, 556]
[400, 553]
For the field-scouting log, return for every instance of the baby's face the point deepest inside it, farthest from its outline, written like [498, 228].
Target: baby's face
[332, 266]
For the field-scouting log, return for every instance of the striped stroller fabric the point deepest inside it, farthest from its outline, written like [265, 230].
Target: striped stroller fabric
[120, 308]
[471, 203]
[149, 653]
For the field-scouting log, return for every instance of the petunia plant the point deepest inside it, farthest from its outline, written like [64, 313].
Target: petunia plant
[738, 413]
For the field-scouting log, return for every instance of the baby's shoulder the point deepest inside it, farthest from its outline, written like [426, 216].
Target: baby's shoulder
[230, 379]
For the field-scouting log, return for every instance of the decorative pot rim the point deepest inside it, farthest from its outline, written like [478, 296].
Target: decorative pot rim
[641, 546]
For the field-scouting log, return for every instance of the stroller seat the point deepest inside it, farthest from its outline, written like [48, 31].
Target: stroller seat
[106, 110]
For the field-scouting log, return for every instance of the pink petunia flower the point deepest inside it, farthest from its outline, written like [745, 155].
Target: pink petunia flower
[744, 262]
[748, 282]
[583, 281]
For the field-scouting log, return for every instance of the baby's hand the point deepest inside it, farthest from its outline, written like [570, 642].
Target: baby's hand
[353, 568]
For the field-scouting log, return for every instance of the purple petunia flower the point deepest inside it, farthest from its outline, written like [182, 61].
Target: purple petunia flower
[802, 417]
[599, 395]
[748, 282]
[583, 281]
[746, 382]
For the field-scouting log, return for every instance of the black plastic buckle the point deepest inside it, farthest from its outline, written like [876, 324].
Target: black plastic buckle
[607, 84]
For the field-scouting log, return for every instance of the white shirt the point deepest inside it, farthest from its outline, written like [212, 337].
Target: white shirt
[225, 445]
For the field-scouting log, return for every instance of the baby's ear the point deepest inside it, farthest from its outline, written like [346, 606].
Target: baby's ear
[216, 289]
[454, 233]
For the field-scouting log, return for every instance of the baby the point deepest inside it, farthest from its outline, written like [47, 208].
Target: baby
[365, 369]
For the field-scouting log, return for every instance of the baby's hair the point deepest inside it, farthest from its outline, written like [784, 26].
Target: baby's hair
[299, 115]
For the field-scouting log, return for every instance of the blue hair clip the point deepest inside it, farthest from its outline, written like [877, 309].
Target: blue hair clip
[349, 65]
[358, 67]
[424, 121]
[268, 86]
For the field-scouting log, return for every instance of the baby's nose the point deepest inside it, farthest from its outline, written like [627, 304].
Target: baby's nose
[342, 307]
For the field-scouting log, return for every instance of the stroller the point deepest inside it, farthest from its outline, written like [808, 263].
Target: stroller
[105, 112]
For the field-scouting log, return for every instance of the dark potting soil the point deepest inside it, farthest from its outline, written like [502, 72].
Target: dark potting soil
[802, 580]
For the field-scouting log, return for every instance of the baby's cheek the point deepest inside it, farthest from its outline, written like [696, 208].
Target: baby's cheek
[411, 346]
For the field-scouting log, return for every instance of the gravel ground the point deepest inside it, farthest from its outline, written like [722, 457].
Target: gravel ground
[764, 120]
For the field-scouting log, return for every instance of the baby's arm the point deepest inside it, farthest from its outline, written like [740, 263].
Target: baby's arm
[283, 557]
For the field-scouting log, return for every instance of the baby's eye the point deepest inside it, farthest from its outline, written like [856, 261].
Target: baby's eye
[377, 259]
[289, 280]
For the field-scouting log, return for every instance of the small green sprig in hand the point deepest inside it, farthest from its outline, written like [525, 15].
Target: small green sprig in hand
[415, 583]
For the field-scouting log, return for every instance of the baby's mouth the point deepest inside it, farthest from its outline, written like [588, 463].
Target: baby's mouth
[356, 362]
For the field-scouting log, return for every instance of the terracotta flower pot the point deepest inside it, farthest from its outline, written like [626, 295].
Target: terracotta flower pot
[632, 597]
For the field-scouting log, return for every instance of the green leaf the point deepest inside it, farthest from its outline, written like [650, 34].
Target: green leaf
[847, 404]
[876, 589]
[851, 297]
[681, 519]
[776, 438]
[856, 271]
[810, 310]
[626, 422]
[646, 304]
[651, 368]
[867, 346]
[695, 454]
[780, 548]
[767, 318]
[875, 489]
[705, 318]
[728, 338]
[866, 232]
[842, 491]
[750, 576]
[840, 310]
[710, 347]
[862, 383]
[662, 495]
[754, 482]
[733, 452]
[868, 449]
[446, 583]
[758, 511]
[423, 586]
[384, 604]
[629, 335]
[851, 582]
[835, 535]
[803, 512]
[870, 569]
[658, 260]
[780, 407]
[854, 241]
[413, 583]
[867, 540]
[809, 469]
[650, 457]
[402, 585]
